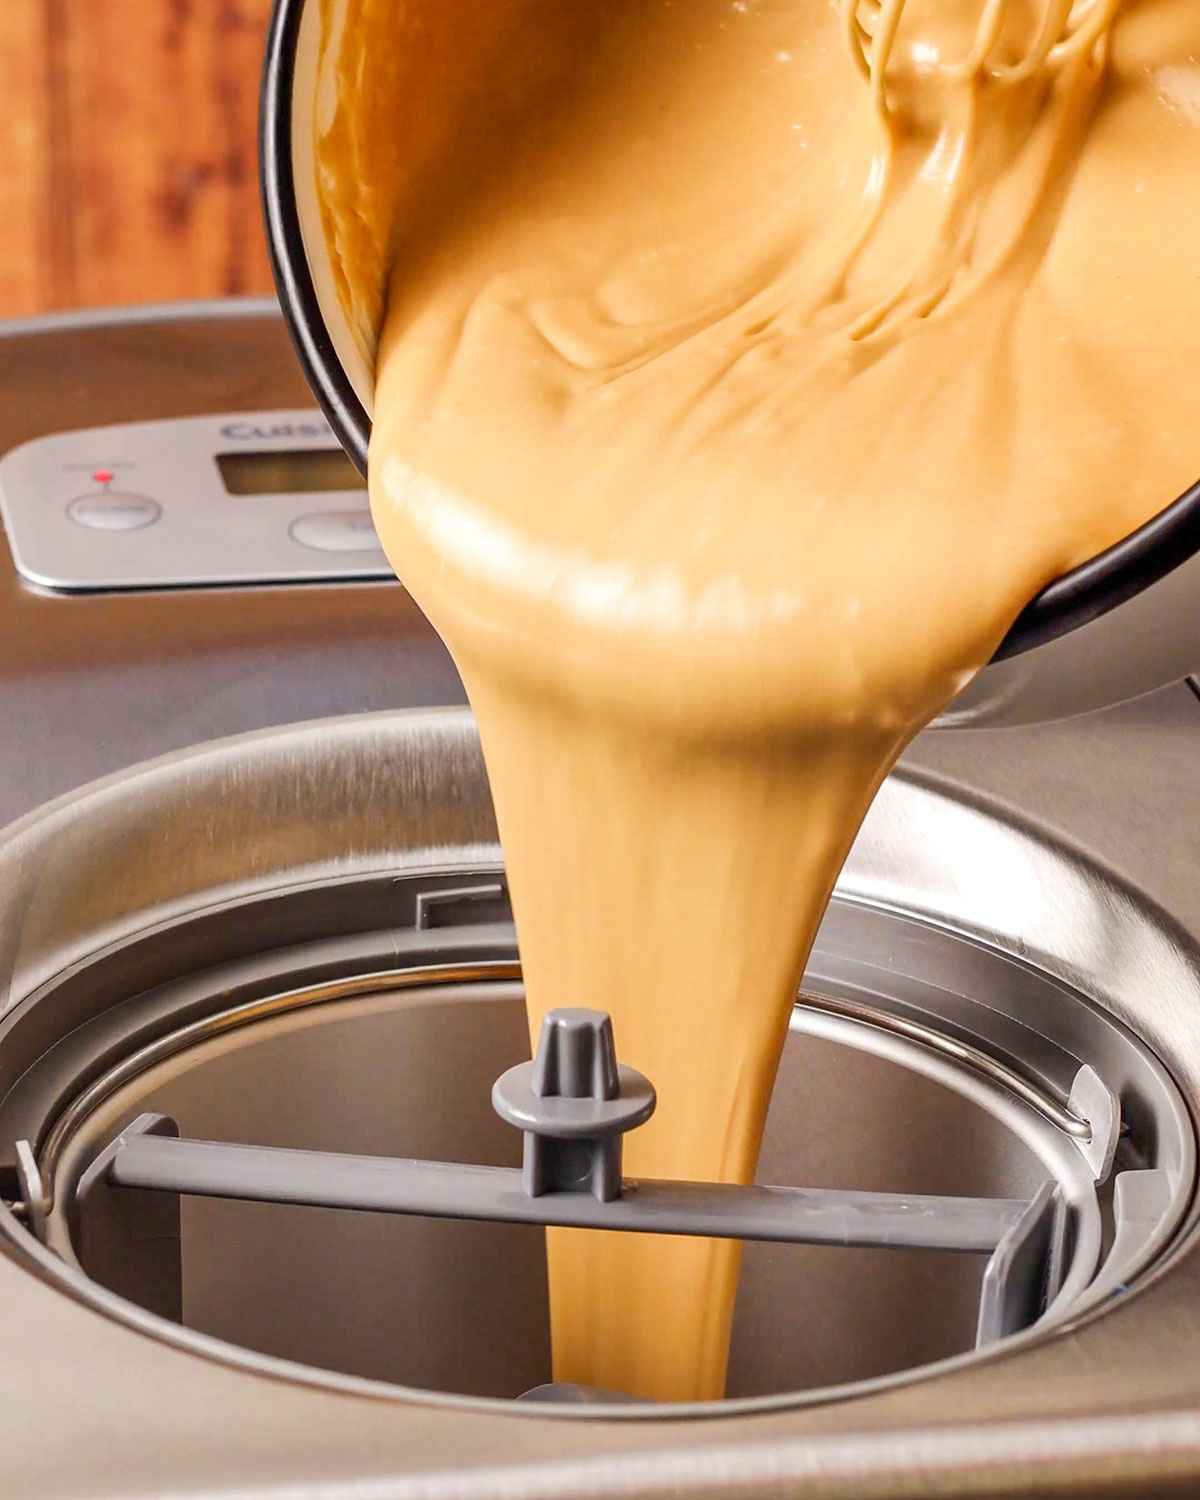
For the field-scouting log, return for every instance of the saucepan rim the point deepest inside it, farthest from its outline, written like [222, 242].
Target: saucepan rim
[1110, 578]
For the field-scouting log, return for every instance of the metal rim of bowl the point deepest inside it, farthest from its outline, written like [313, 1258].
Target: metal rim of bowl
[1110, 578]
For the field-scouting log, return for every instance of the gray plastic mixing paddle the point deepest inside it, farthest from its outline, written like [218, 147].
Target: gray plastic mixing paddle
[573, 1104]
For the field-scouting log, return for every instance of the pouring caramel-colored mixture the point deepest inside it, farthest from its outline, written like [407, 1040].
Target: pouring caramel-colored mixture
[743, 367]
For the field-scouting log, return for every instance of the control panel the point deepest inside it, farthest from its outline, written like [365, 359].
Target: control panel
[265, 497]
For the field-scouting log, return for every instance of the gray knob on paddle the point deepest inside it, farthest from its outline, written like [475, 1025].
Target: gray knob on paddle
[573, 1103]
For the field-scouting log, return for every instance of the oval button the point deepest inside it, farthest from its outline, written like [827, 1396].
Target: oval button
[336, 531]
[113, 510]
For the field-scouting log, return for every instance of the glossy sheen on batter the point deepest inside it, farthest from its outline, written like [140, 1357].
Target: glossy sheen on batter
[743, 367]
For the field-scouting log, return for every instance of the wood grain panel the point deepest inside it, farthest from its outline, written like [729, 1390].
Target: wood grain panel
[136, 151]
[26, 282]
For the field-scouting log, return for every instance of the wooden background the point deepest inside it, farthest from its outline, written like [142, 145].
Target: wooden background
[127, 151]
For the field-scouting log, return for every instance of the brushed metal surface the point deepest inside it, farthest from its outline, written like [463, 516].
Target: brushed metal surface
[89, 685]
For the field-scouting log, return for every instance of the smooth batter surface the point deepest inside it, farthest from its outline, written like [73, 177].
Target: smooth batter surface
[734, 394]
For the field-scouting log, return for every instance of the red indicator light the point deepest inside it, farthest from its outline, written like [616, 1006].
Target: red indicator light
[102, 476]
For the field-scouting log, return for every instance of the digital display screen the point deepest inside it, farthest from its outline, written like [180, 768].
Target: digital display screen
[303, 471]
